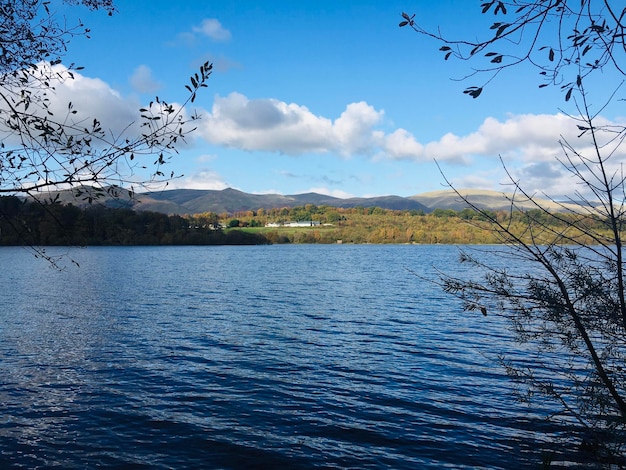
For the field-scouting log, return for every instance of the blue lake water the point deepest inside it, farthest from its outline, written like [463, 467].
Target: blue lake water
[284, 356]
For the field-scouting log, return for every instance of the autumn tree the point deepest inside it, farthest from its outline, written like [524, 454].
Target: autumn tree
[46, 144]
[562, 285]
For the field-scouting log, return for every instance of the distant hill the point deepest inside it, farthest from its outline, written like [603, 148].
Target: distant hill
[483, 199]
[194, 201]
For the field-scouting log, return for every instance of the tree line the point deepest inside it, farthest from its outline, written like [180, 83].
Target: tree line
[378, 225]
[39, 224]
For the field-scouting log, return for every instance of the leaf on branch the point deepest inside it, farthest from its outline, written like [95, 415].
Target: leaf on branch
[583, 129]
[403, 23]
[487, 6]
[497, 59]
[568, 95]
[551, 55]
[501, 29]
[473, 91]
[597, 28]
[445, 48]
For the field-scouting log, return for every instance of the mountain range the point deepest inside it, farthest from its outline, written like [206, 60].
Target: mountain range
[194, 201]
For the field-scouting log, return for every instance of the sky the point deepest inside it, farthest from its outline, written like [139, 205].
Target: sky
[322, 96]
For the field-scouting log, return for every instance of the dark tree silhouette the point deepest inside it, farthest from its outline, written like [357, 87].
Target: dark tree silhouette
[47, 145]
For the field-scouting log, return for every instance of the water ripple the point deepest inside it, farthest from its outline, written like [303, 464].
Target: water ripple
[252, 357]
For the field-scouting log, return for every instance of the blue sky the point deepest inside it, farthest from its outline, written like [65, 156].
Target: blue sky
[323, 96]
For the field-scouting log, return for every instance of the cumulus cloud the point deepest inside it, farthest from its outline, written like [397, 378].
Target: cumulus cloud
[94, 98]
[528, 143]
[203, 179]
[142, 80]
[528, 136]
[402, 144]
[530, 149]
[288, 128]
[213, 29]
[292, 129]
[354, 129]
[78, 100]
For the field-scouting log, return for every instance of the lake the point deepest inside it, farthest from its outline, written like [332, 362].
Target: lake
[282, 356]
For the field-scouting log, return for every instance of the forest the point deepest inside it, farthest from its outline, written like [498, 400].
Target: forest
[37, 224]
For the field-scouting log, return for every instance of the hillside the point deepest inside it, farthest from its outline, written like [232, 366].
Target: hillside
[195, 201]
[189, 201]
[484, 199]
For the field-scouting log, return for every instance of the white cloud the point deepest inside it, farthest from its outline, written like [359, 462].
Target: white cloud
[331, 192]
[93, 98]
[203, 179]
[142, 80]
[289, 128]
[77, 101]
[527, 136]
[528, 143]
[272, 125]
[530, 150]
[213, 29]
[354, 129]
[402, 144]
[207, 157]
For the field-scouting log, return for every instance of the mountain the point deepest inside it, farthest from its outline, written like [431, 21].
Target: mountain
[194, 201]
[483, 199]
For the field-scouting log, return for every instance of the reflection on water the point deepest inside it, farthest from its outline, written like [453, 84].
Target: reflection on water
[247, 357]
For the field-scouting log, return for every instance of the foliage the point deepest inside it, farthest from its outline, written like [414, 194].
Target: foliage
[565, 40]
[44, 149]
[377, 225]
[568, 309]
[30, 223]
[49, 224]
[31, 33]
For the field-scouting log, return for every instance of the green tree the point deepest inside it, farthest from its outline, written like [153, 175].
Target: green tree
[562, 286]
